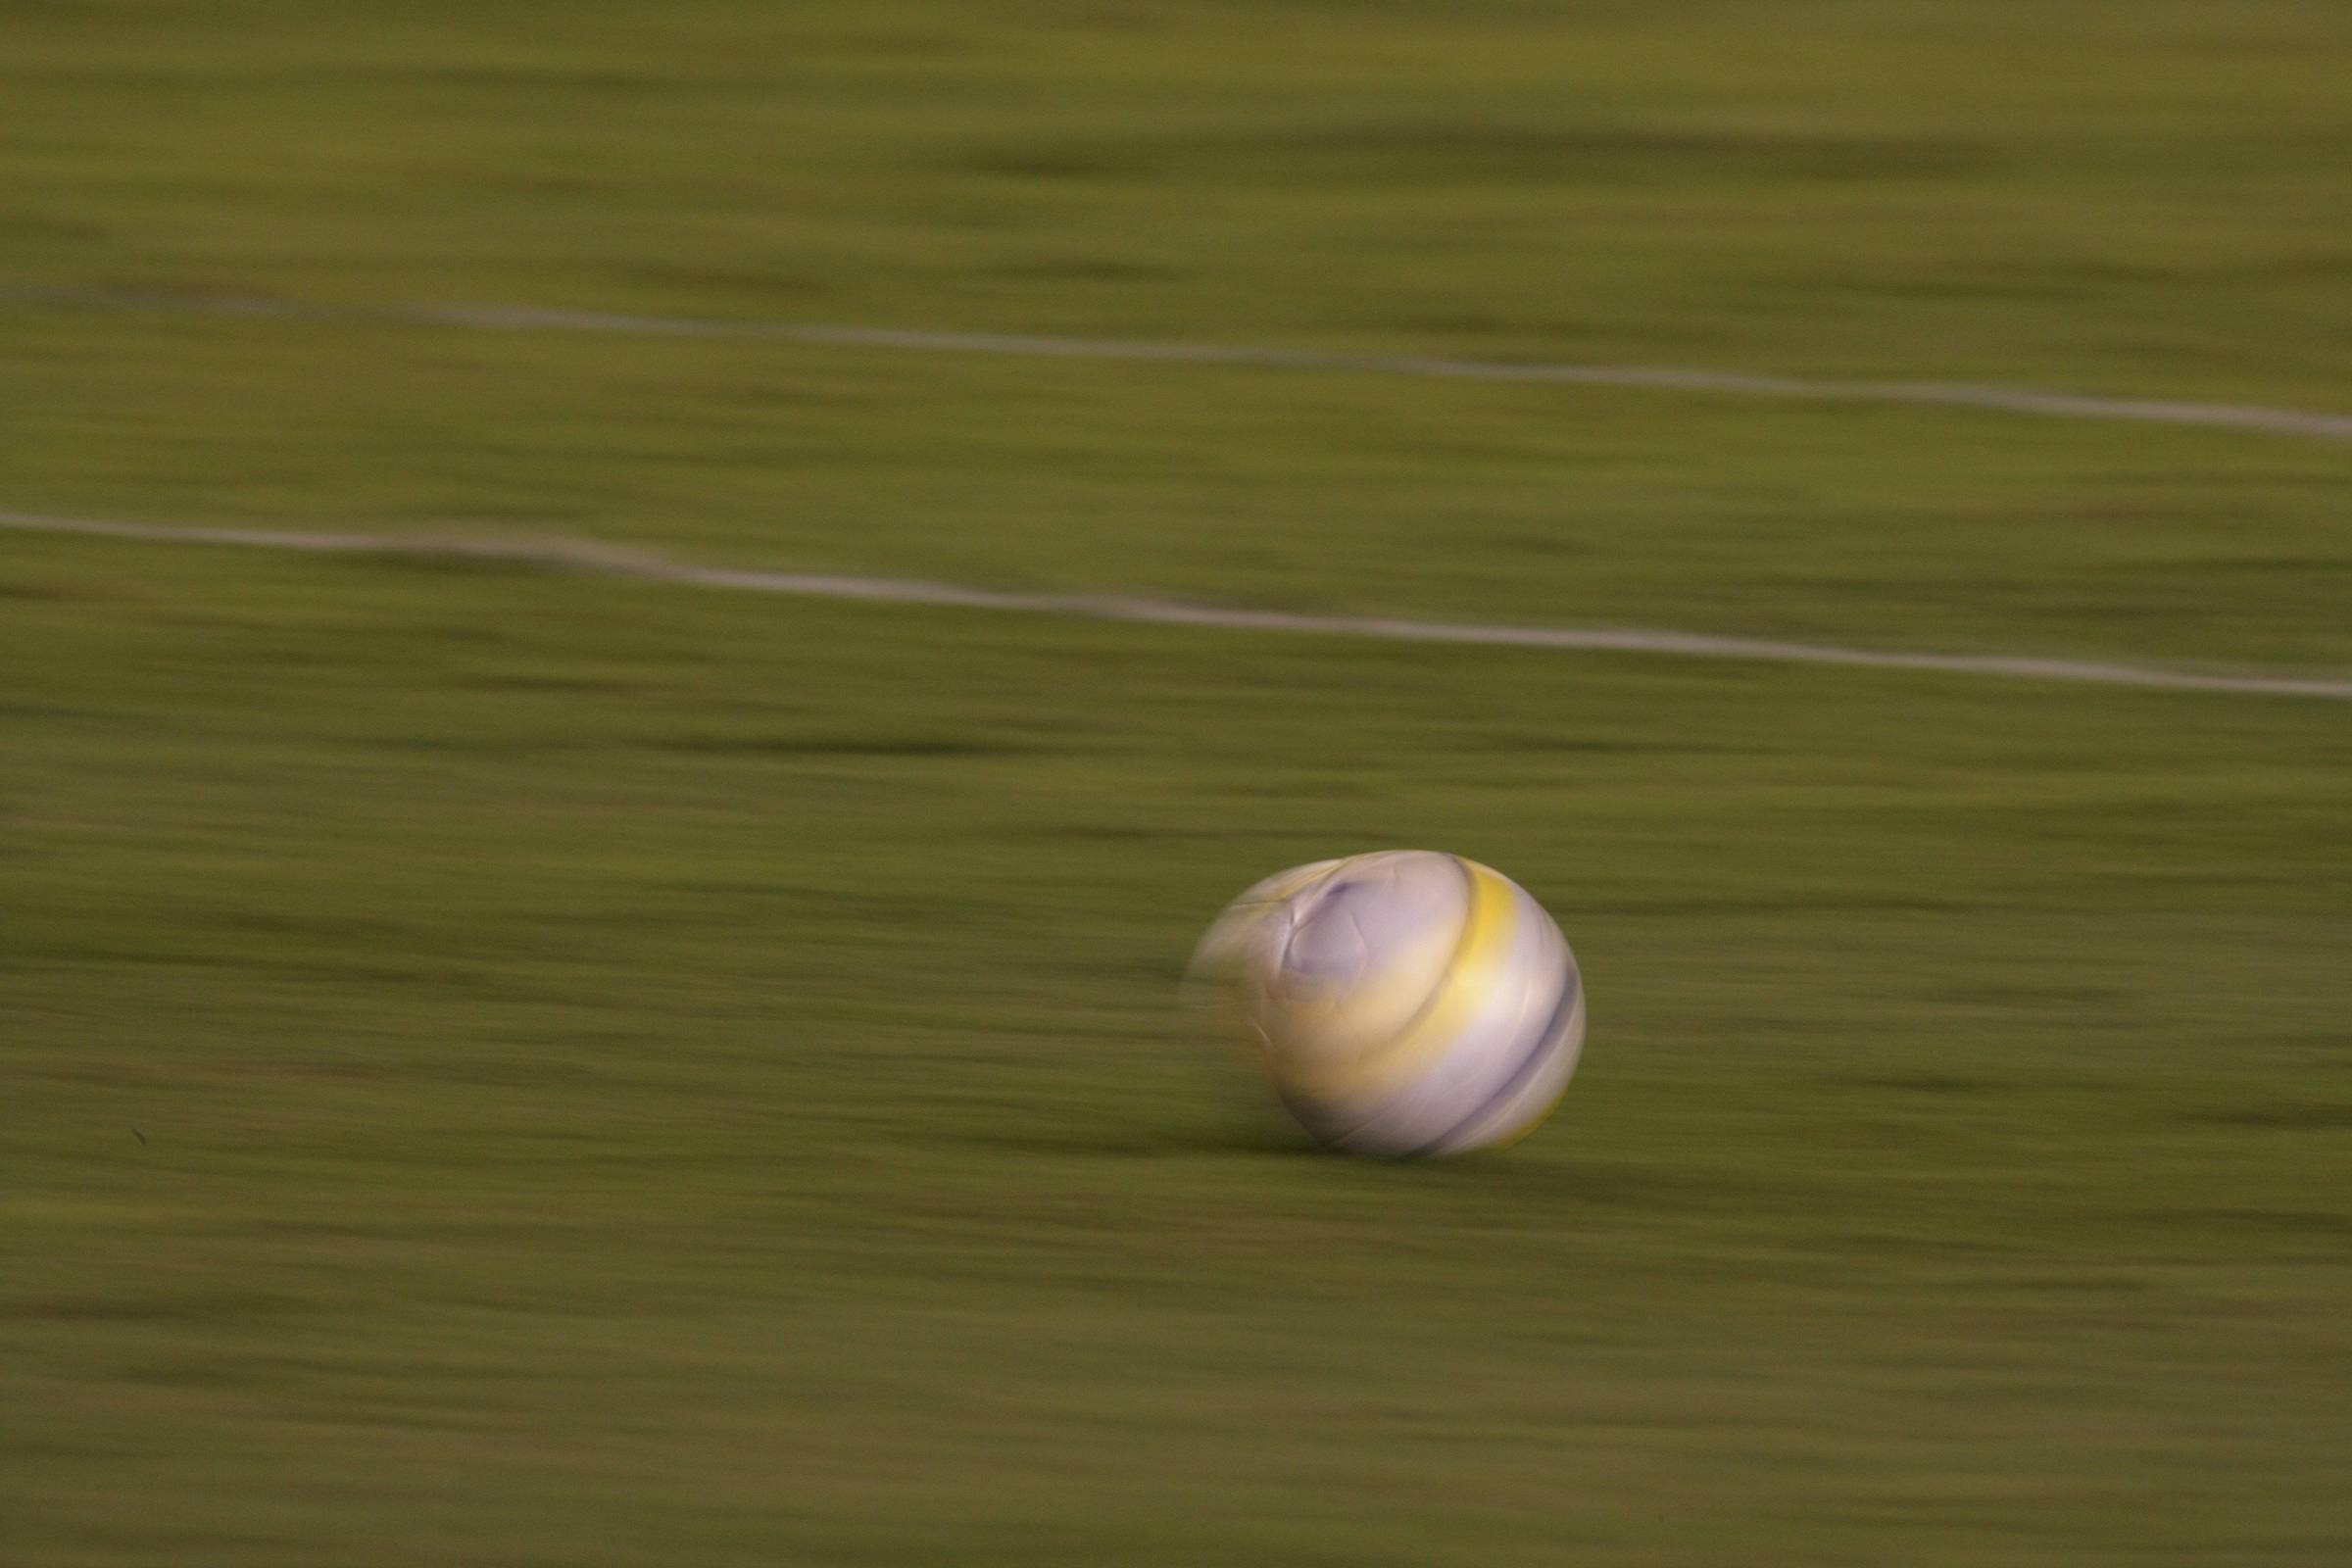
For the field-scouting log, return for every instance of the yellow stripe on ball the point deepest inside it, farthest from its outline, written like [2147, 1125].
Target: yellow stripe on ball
[1378, 1067]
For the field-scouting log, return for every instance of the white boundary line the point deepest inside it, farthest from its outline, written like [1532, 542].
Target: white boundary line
[2046, 404]
[613, 561]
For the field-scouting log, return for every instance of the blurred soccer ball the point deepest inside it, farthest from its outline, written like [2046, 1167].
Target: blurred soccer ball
[1405, 1003]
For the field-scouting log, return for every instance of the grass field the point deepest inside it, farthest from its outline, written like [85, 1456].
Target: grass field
[508, 1067]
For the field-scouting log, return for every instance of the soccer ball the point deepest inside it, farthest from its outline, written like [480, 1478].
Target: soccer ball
[1403, 1004]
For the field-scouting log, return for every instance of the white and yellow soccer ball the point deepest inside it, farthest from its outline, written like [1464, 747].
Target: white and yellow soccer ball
[1403, 1004]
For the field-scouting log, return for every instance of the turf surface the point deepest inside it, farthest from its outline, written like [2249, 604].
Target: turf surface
[1885, 527]
[2139, 198]
[517, 1068]
[506, 1068]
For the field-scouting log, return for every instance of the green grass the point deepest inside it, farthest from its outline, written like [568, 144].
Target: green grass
[2143, 200]
[509, 1067]
[1535, 505]
[2145, 197]
[517, 1068]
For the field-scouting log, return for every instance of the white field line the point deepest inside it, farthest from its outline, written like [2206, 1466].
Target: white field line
[2048, 404]
[613, 561]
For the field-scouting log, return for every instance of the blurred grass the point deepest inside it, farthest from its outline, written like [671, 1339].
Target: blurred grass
[2141, 198]
[506, 1067]
[1883, 526]
[520, 1068]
